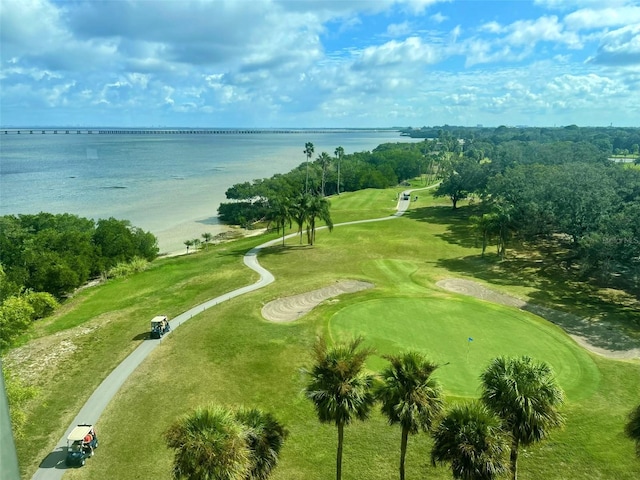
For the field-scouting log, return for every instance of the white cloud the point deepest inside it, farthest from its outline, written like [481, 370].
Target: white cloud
[399, 29]
[290, 63]
[393, 53]
[438, 17]
[543, 29]
[492, 27]
[517, 41]
[571, 4]
[419, 6]
[619, 47]
[587, 19]
[455, 33]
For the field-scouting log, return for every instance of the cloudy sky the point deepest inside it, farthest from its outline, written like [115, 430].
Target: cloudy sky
[315, 63]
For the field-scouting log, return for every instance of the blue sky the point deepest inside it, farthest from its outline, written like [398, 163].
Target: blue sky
[314, 63]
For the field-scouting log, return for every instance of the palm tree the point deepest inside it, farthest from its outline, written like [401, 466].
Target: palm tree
[632, 428]
[318, 208]
[339, 153]
[325, 160]
[281, 213]
[470, 438]
[188, 243]
[207, 238]
[308, 151]
[500, 225]
[409, 396]
[339, 387]
[300, 211]
[265, 438]
[525, 395]
[210, 445]
[483, 225]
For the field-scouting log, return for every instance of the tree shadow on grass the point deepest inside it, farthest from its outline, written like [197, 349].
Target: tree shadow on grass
[458, 231]
[279, 249]
[600, 318]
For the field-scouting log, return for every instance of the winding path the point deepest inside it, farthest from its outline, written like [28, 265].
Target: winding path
[53, 466]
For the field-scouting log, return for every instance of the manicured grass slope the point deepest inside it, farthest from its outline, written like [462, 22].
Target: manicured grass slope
[441, 328]
[102, 325]
[231, 356]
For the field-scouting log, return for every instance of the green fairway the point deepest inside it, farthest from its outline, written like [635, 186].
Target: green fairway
[441, 328]
[229, 355]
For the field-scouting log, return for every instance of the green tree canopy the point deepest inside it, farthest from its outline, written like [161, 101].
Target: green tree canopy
[471, 440]
[525, 395]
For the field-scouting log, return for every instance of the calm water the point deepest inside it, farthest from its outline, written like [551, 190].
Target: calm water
[160, 183]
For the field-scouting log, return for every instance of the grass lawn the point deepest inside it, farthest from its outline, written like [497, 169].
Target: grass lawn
[440, 326]
[229, 355]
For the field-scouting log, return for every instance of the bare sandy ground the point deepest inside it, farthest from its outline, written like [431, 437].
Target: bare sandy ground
[171, 240]
[288, 309]
[597, 337]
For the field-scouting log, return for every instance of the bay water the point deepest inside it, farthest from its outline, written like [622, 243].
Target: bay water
[170, 185]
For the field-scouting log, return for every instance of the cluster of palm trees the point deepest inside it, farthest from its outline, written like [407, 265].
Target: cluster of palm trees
[196, 242]
[305, 210]
[519, 405]
[324, 160]
[214, 443]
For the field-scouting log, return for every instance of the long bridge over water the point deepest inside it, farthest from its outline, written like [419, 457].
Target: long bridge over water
[175, 131]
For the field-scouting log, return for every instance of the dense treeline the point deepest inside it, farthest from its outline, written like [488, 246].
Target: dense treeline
[385, 166]
[46, 256]
[58, 253]
[609, 140]
[563, 192]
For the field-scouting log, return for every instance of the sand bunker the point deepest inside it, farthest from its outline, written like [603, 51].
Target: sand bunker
[596, 337]
[291, 308]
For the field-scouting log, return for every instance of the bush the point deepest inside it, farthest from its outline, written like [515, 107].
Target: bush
[124, 269]
[17, 395]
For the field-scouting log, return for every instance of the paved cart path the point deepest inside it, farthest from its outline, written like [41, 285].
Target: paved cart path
[53, 466]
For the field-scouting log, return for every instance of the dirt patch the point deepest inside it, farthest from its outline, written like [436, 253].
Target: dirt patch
[41, 358]
[595, 336]
[288, 309]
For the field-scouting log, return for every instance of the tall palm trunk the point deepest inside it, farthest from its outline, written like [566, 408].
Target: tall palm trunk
[515, 443]
[306, 182]
[403, 450]
[339, 455]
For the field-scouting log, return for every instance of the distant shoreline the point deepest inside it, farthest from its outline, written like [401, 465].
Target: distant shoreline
[169, 185]
[178, 131]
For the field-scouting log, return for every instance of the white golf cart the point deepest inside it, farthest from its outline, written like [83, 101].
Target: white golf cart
[81, 443]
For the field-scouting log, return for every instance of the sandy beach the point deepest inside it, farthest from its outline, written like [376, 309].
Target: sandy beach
[171, 240]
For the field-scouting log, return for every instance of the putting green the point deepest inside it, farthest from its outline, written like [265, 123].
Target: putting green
[443, 329]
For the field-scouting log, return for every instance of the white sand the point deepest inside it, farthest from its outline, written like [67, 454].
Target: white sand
[171, 240]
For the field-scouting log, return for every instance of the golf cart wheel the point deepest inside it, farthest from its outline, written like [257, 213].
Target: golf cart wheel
[92, 452]
[82, 462]
[96, 445]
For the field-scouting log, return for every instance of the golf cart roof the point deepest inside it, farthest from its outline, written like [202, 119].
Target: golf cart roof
[159, 319]
[79, 432]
